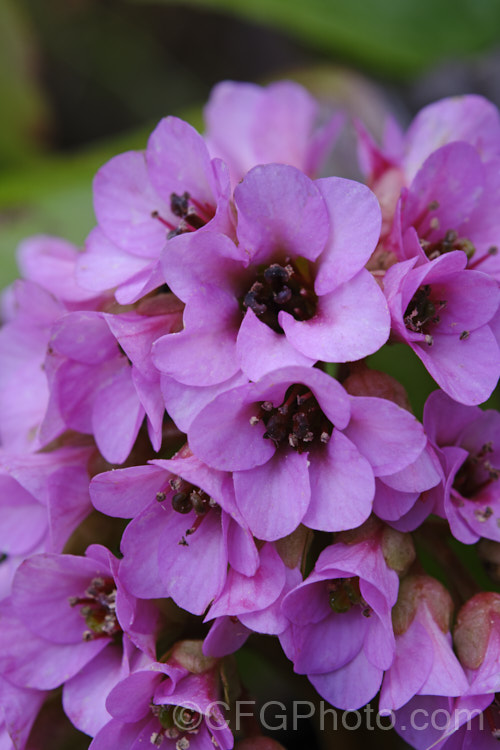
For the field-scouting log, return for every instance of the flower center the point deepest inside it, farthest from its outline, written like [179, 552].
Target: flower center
[192, 214]
[276, 288]
[344, 593]
[476, 473]
[421, 315]
[298, 422]
[175, 723]
[99, 609]
[186, 497]
[451, 241]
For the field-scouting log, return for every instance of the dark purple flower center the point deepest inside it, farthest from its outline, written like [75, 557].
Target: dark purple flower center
[297, 423]
[186, 497]
[288, 287]
[476, 473]
[451, 241]
[99, 609]
[175, 723]
[192, 214]
[421, 314]
[344, 593]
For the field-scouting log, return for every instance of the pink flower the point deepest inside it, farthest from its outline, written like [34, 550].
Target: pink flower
[442, 312]
[292, 291]
[302, 451]
[248, 125]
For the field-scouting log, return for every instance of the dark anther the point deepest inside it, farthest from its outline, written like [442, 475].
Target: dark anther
[421, 312]
[344, 593]
[200, 501]
[181, 502]
[476, 473]
[179, 204]
[279, 288]
[298, 422]
[464, 335]
[451, 241]
[161, 496]
[3, 557]
[99, 609]
[187, 497]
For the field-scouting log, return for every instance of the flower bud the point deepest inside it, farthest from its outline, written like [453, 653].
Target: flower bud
[473, 629]
[366, 382]
[294, 547]
[189, 654]
[416, 589]
[398, 550]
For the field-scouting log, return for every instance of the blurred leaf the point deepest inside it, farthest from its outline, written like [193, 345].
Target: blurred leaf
[24, 113]
[399, 361]
[398, 37]
[54, 195]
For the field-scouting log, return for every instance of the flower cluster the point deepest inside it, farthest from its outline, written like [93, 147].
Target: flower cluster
[199, 370]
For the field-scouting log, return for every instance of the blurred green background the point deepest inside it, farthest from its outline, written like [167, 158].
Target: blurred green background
[82, 80]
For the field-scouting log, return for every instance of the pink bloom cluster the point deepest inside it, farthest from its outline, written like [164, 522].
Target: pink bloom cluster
[177, 373]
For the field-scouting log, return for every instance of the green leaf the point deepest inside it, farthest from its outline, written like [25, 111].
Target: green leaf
[53, 195]
[24, 112]
[397, 37]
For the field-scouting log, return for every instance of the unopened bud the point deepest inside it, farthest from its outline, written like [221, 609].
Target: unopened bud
[398, 550]
[366, 382]
[189, 654]
[473, 629]
[355, 536]
[416, 590]
[293, 547]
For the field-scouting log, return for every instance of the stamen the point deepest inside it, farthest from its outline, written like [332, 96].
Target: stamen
[281, 287]
[298, 422]
[99, 609]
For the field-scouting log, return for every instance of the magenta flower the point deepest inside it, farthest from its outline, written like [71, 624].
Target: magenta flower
[451, 205]
[250, 604]
[341, 633]
[18, 710]
[70, 620]
[401, 498]
[24, 391]
[467, 441]
[424, 662]
[37, 513]
[442, 312]
[186, 528]
[102, 379]
[302, 450]
[248, 125]
[144, 200]
[470, 119]
[167, 705]
[288, 293]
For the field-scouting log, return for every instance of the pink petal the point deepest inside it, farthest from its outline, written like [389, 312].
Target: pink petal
[342, 486]
[354, 231]
[351, 322]
[273, 498]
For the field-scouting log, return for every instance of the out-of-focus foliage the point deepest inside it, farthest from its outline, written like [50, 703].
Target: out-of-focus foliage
[22, 107]
[396, 37]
